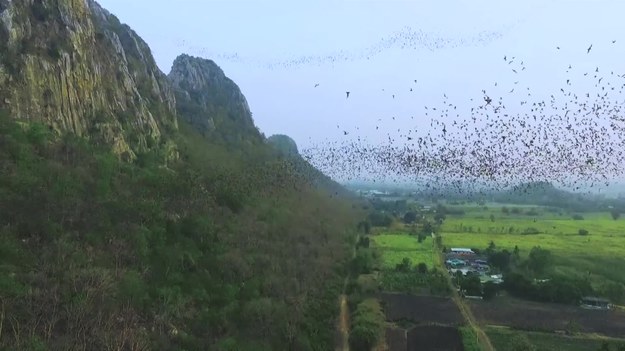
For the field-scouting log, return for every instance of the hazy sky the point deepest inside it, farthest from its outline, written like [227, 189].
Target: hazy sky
[277, 51]
[283, 98]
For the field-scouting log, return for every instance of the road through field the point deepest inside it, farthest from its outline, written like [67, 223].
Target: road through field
[481, 336]
[342, 327]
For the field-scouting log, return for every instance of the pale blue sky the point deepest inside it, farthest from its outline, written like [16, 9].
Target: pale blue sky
[260, 44]
[283, 100]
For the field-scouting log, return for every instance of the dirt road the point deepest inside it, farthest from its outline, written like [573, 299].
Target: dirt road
[481, 336]
[343, 325]
[342, 328]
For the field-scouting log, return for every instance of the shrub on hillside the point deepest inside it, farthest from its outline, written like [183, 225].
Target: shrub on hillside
[582, 232]
[578, 217]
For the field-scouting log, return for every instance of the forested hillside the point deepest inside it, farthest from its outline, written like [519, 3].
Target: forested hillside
[286, 150]
[140, 211]
[218, 251]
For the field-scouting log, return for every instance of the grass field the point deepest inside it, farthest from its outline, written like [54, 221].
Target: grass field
[545, 222]
[469, 339]
[394, 247]
[602, 252]
[500, 337]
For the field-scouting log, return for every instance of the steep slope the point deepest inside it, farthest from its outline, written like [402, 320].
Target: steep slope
[215, 107]
[73, 66]
[212, 102]
[286, 150]
[212, 253]
[227, 248]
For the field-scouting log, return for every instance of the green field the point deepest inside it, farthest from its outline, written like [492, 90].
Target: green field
[394, 247]
[545, 222]
[500, 338]
[601, 253]
[469, 339]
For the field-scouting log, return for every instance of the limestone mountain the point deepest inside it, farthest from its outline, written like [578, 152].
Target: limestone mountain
[72, 65]
[212, 102]
[229, 247]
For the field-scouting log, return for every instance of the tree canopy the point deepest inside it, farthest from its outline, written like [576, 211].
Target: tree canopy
[218, 250]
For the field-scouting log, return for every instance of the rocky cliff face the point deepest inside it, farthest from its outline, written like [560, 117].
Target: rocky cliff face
[212, 102]
[74, 66]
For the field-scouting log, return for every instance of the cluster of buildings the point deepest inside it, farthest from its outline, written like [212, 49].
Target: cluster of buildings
[467, 262]
[373, 193]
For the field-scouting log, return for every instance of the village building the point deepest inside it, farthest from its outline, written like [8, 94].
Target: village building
[596, 303]
[461, 251]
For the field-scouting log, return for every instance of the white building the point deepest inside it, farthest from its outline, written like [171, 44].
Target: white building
[462, 251]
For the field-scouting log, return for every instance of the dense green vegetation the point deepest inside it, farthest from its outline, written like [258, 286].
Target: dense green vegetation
[405, 264]
[223, 250]
[558, 288]
[368, 323]
[401, 259]
[397, 246]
